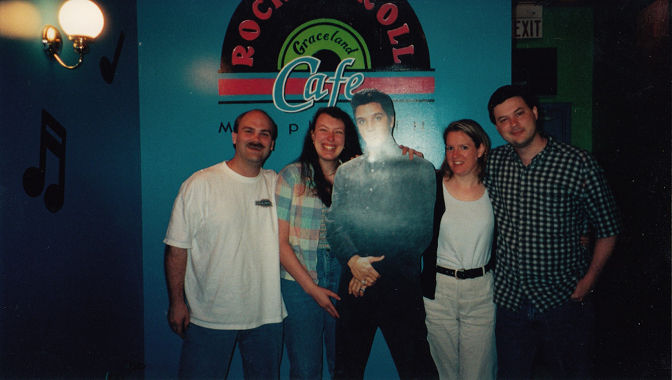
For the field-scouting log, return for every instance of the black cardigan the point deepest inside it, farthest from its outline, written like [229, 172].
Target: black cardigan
[428, 275]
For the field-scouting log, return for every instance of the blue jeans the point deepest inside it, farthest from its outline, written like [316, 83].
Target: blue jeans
[564, 334]
[307, 326]
[207, 353]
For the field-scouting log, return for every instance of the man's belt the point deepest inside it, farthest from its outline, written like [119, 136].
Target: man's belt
[463, 274]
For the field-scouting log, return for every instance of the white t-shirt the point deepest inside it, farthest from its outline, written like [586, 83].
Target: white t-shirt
[466, 232]
[229, 225]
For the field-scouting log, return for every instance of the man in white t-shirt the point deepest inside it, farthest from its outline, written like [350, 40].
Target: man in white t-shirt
[222, 262]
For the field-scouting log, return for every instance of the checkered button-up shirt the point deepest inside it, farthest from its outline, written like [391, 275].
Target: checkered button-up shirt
[542, 210]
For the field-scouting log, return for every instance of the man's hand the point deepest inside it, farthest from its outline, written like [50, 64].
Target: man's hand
[362, 270]
[323, 298]
[583, 290]
[411, 152]
[178, 318]
[601, 253]
[585, 241]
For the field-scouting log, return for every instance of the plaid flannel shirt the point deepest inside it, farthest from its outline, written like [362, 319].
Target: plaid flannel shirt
[304, 212]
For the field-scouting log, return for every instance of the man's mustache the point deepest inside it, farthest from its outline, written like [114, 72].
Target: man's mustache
[256, 145]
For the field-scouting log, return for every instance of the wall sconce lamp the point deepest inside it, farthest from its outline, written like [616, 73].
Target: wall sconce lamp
[82, 21]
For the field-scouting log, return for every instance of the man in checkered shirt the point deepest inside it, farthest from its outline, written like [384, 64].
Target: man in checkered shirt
[545, 194]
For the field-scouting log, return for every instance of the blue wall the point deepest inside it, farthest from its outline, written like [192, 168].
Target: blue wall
[71, 280]
[83, 290]
[179, 54]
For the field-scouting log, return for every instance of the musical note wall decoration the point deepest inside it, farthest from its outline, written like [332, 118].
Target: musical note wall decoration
[34, 177]
[107, 68]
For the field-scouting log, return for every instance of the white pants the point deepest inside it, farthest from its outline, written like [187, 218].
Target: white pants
[461, 326]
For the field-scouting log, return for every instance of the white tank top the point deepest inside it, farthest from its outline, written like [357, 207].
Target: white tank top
[466, 231]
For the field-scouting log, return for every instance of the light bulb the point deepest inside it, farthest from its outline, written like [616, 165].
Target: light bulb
[81, 18]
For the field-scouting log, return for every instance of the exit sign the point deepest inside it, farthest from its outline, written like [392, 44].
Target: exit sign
[528, 21]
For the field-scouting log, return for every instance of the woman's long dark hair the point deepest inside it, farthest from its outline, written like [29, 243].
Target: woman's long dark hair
[311, 172]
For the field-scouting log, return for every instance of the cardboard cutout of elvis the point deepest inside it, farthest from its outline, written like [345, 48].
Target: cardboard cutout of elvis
[383, 204]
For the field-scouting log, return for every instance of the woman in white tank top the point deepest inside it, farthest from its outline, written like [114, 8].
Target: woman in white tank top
[457, 275]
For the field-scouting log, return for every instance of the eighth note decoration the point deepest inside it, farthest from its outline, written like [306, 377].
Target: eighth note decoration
[107, 68]
[33, 178]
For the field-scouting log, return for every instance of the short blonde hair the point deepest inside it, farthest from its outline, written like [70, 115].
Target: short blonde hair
[474, 130]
